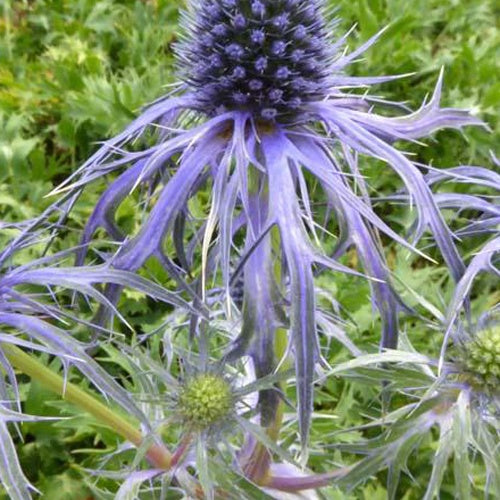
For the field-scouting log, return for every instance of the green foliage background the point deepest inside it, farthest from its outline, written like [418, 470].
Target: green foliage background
[73, 72]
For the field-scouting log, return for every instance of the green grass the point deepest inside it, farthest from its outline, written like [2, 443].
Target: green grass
[75, 72]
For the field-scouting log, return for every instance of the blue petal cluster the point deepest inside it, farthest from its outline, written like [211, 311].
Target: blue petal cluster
[265, 56]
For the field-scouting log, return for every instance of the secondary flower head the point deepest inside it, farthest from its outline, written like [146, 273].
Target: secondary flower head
[205, 401]
[480, 359]
[33, 317]
[265, 56]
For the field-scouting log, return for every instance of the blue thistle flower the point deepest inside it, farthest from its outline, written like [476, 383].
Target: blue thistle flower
[263, 101]
[208, 408]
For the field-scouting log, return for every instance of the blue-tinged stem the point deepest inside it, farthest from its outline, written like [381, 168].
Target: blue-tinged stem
[268, 341]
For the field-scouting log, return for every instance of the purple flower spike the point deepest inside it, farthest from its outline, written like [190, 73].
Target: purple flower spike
[265, 20]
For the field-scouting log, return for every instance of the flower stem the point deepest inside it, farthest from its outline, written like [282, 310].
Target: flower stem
[281, 339]
[157, 454]
[257, 468]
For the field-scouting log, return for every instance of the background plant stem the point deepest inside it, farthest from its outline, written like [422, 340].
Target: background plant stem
[157, 454]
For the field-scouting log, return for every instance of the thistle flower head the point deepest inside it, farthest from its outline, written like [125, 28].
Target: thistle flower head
[480, 359]
[33, 317]
[265, 56]
[205, 401]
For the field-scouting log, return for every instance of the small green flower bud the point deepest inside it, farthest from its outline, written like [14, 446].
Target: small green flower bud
[205, 401]
[480, 359]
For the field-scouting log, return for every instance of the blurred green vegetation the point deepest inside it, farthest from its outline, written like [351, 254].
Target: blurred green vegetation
[73, 72]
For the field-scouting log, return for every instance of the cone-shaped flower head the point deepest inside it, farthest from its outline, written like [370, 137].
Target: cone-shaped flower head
[204, 401]
[265, 56]
[480, 358]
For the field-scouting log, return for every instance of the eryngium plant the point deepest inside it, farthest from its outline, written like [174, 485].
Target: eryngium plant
[264, 110]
